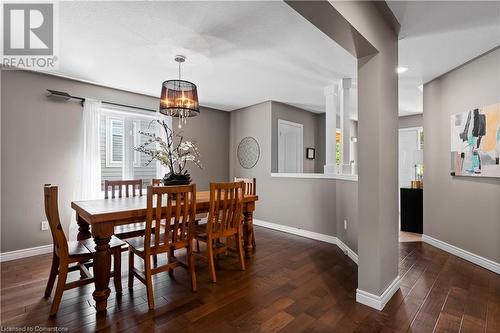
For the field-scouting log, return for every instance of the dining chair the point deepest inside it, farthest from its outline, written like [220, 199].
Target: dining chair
[72, 256]
[250, 189]
[250, 185]
[176, 207]
[199, 217]
[116, 187]
[225, 219]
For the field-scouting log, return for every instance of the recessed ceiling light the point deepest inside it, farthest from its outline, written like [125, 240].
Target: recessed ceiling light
[401, 69]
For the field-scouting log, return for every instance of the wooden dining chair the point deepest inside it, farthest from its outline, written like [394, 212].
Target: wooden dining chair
[250, 189]
[156, 182]
[225, 219]
[72, 256]
[175, 206]
[250, 185]
[120, 189]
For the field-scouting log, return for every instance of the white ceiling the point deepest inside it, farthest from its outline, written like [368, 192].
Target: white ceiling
[242, 53]
[437, 36]
[238, 53]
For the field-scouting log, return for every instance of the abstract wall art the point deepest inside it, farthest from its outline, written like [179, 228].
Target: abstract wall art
[475, 142]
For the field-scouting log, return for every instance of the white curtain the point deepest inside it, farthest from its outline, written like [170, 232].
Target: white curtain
[88, 183]
[160, 132]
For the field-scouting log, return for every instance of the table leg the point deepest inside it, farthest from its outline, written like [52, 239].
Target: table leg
[102, 264]
[248, 233]
[83, 228]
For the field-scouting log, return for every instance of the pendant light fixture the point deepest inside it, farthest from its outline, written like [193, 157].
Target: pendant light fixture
[179, 98]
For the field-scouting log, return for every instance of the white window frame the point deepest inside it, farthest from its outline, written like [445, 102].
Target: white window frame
[137, 157]
[109, 141]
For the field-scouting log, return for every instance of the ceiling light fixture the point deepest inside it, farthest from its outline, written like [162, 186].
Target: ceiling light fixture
[179, 98]
[401, 69]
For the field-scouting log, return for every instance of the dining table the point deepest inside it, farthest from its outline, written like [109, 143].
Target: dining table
[97, 218]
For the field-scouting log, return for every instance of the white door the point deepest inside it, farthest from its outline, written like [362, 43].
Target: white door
[408, 155]
[290, 147]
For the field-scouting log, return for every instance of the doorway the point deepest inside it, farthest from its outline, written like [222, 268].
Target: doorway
[410, 167]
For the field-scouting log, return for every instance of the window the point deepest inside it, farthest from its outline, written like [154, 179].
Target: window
[119, 135]
[338, 147]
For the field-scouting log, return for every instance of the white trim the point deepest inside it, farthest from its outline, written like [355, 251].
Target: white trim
[346, 249]
[109, 141]
[300, 147]
[24, 253]
[309, 234]
[375, 301]
[469, 256]
[348, 177]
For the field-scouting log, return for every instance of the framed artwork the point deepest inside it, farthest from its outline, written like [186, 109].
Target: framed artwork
[475, 142]
[248, 152]
[310, 153]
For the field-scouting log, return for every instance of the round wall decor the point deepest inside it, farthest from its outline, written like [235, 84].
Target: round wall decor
[248, 152]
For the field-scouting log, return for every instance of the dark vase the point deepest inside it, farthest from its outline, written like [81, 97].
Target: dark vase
[174, 179]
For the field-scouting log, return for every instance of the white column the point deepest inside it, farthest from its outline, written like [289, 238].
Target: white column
[345, 121]
[331, 108]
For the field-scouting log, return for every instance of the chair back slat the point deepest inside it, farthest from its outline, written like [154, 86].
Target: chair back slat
[117, 185]
[52, 213]
[250, 185]
[171, 210]
[226, 208]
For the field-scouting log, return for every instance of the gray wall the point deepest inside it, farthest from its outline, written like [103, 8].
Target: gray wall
[377, 145]
[347, 209]
[462, 211]
[300, 203]
[210, 130]
[291, 113]
[416, 120]
[41, 140]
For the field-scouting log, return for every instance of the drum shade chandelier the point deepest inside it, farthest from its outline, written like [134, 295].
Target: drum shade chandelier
[179, 98]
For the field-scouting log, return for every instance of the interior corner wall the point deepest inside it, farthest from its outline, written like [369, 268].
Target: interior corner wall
[307, 204]
[40, 143]
[461, 211]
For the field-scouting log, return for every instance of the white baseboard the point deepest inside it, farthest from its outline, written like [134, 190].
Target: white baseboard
[469, 256]
[23, 253]
[309, 234]
[375, 301]
[350, 253]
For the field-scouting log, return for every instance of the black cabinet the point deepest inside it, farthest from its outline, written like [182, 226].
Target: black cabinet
[412, 210]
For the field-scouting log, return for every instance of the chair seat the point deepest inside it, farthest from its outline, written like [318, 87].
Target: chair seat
[77, 248]
[137, 243]
[90, 245]
[130, 230]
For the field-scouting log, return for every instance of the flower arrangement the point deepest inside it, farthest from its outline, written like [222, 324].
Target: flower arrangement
[174, 153]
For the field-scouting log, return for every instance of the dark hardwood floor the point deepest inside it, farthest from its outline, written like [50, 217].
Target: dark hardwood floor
[292, 284]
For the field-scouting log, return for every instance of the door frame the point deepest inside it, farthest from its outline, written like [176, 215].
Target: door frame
[300, 148]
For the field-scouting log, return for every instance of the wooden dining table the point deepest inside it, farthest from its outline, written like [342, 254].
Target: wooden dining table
[97, 219]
